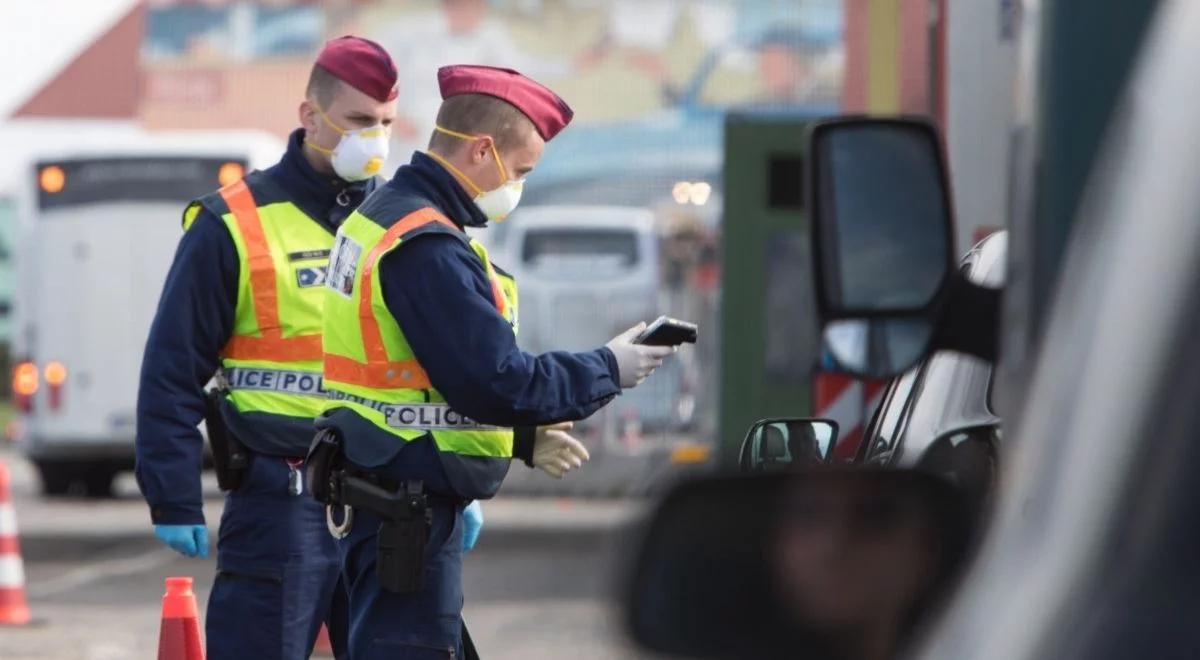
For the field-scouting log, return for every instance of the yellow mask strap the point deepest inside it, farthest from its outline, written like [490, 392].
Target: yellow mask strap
[466, 179]
[316, 147]
[465, 136]
[339, 129]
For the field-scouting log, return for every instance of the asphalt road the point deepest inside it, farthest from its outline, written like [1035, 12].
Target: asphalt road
[539, 584]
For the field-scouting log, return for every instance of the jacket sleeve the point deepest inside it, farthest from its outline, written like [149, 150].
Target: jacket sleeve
[194, 320]
[438, 291]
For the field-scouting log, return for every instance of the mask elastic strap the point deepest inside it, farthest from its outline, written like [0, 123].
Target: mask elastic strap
[500, 163]
[446, 164]
[318, 148]
[465, 136]
[339, 129]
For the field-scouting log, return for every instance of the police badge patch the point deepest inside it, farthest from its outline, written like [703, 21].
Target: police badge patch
[311, 276]
[343, 265]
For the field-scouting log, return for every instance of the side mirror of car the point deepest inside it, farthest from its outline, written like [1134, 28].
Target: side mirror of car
[822, 563]
[787, 442]
[883, 240]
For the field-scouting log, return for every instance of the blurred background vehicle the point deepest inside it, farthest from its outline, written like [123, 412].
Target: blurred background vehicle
[940, 414]
[95, 245]
[583, 270]
[590, 272]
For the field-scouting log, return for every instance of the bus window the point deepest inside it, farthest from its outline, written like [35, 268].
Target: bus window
[136, 179]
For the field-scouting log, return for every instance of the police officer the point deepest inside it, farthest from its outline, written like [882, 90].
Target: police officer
[243, 298]
[428, 390]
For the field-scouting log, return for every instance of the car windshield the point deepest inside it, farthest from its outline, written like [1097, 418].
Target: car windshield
[576, 250]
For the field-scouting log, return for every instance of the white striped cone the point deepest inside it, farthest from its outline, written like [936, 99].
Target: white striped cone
[14, 610]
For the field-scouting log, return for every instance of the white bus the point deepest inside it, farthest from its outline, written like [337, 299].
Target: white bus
[99, 221]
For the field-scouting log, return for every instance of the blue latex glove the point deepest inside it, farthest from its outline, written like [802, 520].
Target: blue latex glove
[187, 540]
[472, 525]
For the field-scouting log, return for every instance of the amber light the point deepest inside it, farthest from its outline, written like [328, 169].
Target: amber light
[55, 374]
[25, 379]
[24, 385]
[52, 179]
[230, 173]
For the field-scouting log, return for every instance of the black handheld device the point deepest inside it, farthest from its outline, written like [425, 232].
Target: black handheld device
[666, 331]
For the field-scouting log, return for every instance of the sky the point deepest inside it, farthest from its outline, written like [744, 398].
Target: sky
[44, 36]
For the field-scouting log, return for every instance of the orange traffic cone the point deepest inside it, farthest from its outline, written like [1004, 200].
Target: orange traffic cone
[179, 636]
[323, 648]
[14, 610]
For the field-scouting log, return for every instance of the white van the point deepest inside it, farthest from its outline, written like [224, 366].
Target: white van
[98, 224]
[587, 273]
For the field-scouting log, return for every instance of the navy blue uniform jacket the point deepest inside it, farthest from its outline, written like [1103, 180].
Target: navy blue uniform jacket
[194, 321]
[438, 290]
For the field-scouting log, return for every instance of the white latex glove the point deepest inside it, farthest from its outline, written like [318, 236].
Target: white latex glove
[634, 361]
[555, 452]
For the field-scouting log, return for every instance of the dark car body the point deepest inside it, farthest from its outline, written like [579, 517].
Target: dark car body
[943, 401]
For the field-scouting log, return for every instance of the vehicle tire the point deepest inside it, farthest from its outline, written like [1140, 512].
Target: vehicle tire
[98, 481]
[56, 478]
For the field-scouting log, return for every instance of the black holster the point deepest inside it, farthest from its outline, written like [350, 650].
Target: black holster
[323, 467]
[230, 457]
[407, 517]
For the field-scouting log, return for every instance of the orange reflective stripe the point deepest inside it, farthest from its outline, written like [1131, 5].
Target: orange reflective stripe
[303, 348]
[372, 337]
[379, 375]
[258, 256]
[378, 371]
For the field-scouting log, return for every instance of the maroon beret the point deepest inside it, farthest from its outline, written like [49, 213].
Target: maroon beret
[362, 64]
[549, 113]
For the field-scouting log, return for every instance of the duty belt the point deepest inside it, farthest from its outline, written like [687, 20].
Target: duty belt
[335, 484]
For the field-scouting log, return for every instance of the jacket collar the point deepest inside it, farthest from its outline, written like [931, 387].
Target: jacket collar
[440, 187]
[317, 193]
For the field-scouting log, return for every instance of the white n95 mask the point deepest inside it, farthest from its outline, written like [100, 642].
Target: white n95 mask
[361, 152]
[495, 204]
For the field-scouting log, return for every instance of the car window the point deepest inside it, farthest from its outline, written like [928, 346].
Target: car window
[892, 413]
